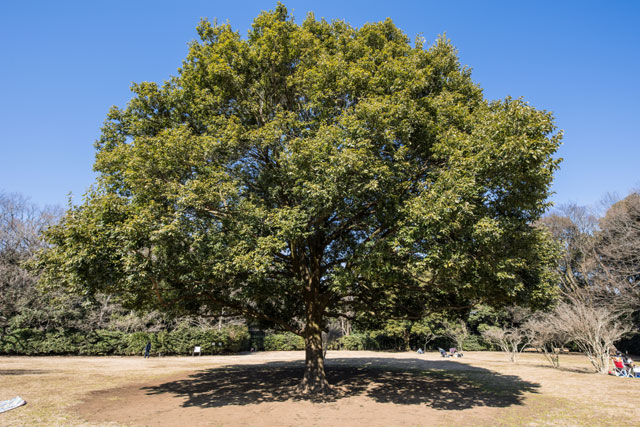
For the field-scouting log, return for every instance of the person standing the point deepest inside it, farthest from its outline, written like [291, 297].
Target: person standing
[147, 349]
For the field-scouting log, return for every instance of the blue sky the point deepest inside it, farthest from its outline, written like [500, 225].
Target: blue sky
[65, 63]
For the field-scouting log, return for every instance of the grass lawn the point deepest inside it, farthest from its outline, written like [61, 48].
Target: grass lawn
[370, 388]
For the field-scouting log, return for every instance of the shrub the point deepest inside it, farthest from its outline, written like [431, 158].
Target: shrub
[135, 342]
[239, 339]
[356, 342]
[57, 342]
[380, 340]
[283, 342]
[475, 343]
[99, 343]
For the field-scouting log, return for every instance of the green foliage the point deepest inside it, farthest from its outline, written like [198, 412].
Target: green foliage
[256, 340]
[232, 339]
[101, 343]
[310, 170]
[357, 341]
[484, 315]
[397, 328]
[475, 343]
[283, 342]
[135, 342]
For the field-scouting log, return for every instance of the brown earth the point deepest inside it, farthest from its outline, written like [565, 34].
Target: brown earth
[370, 388]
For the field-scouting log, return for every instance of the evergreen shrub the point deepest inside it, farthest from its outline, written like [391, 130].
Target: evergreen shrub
[283, 342]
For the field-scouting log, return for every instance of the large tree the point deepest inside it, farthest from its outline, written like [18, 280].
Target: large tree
[309, 171]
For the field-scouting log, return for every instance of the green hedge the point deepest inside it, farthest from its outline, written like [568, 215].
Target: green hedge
[181, 341]
[283, 342]
[30, 342]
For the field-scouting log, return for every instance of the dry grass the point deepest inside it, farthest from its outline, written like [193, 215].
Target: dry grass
[371, 388]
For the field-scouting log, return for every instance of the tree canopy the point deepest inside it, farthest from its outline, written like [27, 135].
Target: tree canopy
[309, 171]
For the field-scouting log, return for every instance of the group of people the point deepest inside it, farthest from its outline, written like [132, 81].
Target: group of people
[453, 352]
[623, 363]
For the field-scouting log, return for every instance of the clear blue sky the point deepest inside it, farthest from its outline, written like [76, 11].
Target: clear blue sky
[65, 63]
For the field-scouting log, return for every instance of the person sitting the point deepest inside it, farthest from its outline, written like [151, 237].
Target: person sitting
[620, 369]
[623, 365]
[629, 365]
[454, 352]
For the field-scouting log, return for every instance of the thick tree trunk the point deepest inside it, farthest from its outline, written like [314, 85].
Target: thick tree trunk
[314, 380]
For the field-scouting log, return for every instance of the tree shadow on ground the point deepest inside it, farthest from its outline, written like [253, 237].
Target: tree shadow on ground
[587, 371]
[438, 384]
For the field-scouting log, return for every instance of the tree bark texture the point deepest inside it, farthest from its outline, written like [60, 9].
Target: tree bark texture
[314, 380]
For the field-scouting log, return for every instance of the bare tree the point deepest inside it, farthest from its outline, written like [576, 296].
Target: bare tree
[599, 271]
[21, 226]
[594, 327]
[573, 227]
[456, 331]
[547, 336]
[345, 326]
[511, 340]
[600, 255]
[616, 250]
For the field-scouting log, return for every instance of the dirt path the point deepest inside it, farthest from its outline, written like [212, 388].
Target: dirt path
[373, 389]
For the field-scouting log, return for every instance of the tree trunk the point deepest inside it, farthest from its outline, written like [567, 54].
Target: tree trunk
[314, 380]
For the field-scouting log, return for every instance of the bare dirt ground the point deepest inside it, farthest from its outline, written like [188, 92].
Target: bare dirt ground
[370, 388]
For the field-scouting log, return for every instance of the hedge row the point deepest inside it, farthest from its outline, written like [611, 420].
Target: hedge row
[30, 342]
[231, 339]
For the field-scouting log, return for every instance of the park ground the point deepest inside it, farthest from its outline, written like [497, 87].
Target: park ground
[370, 389]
